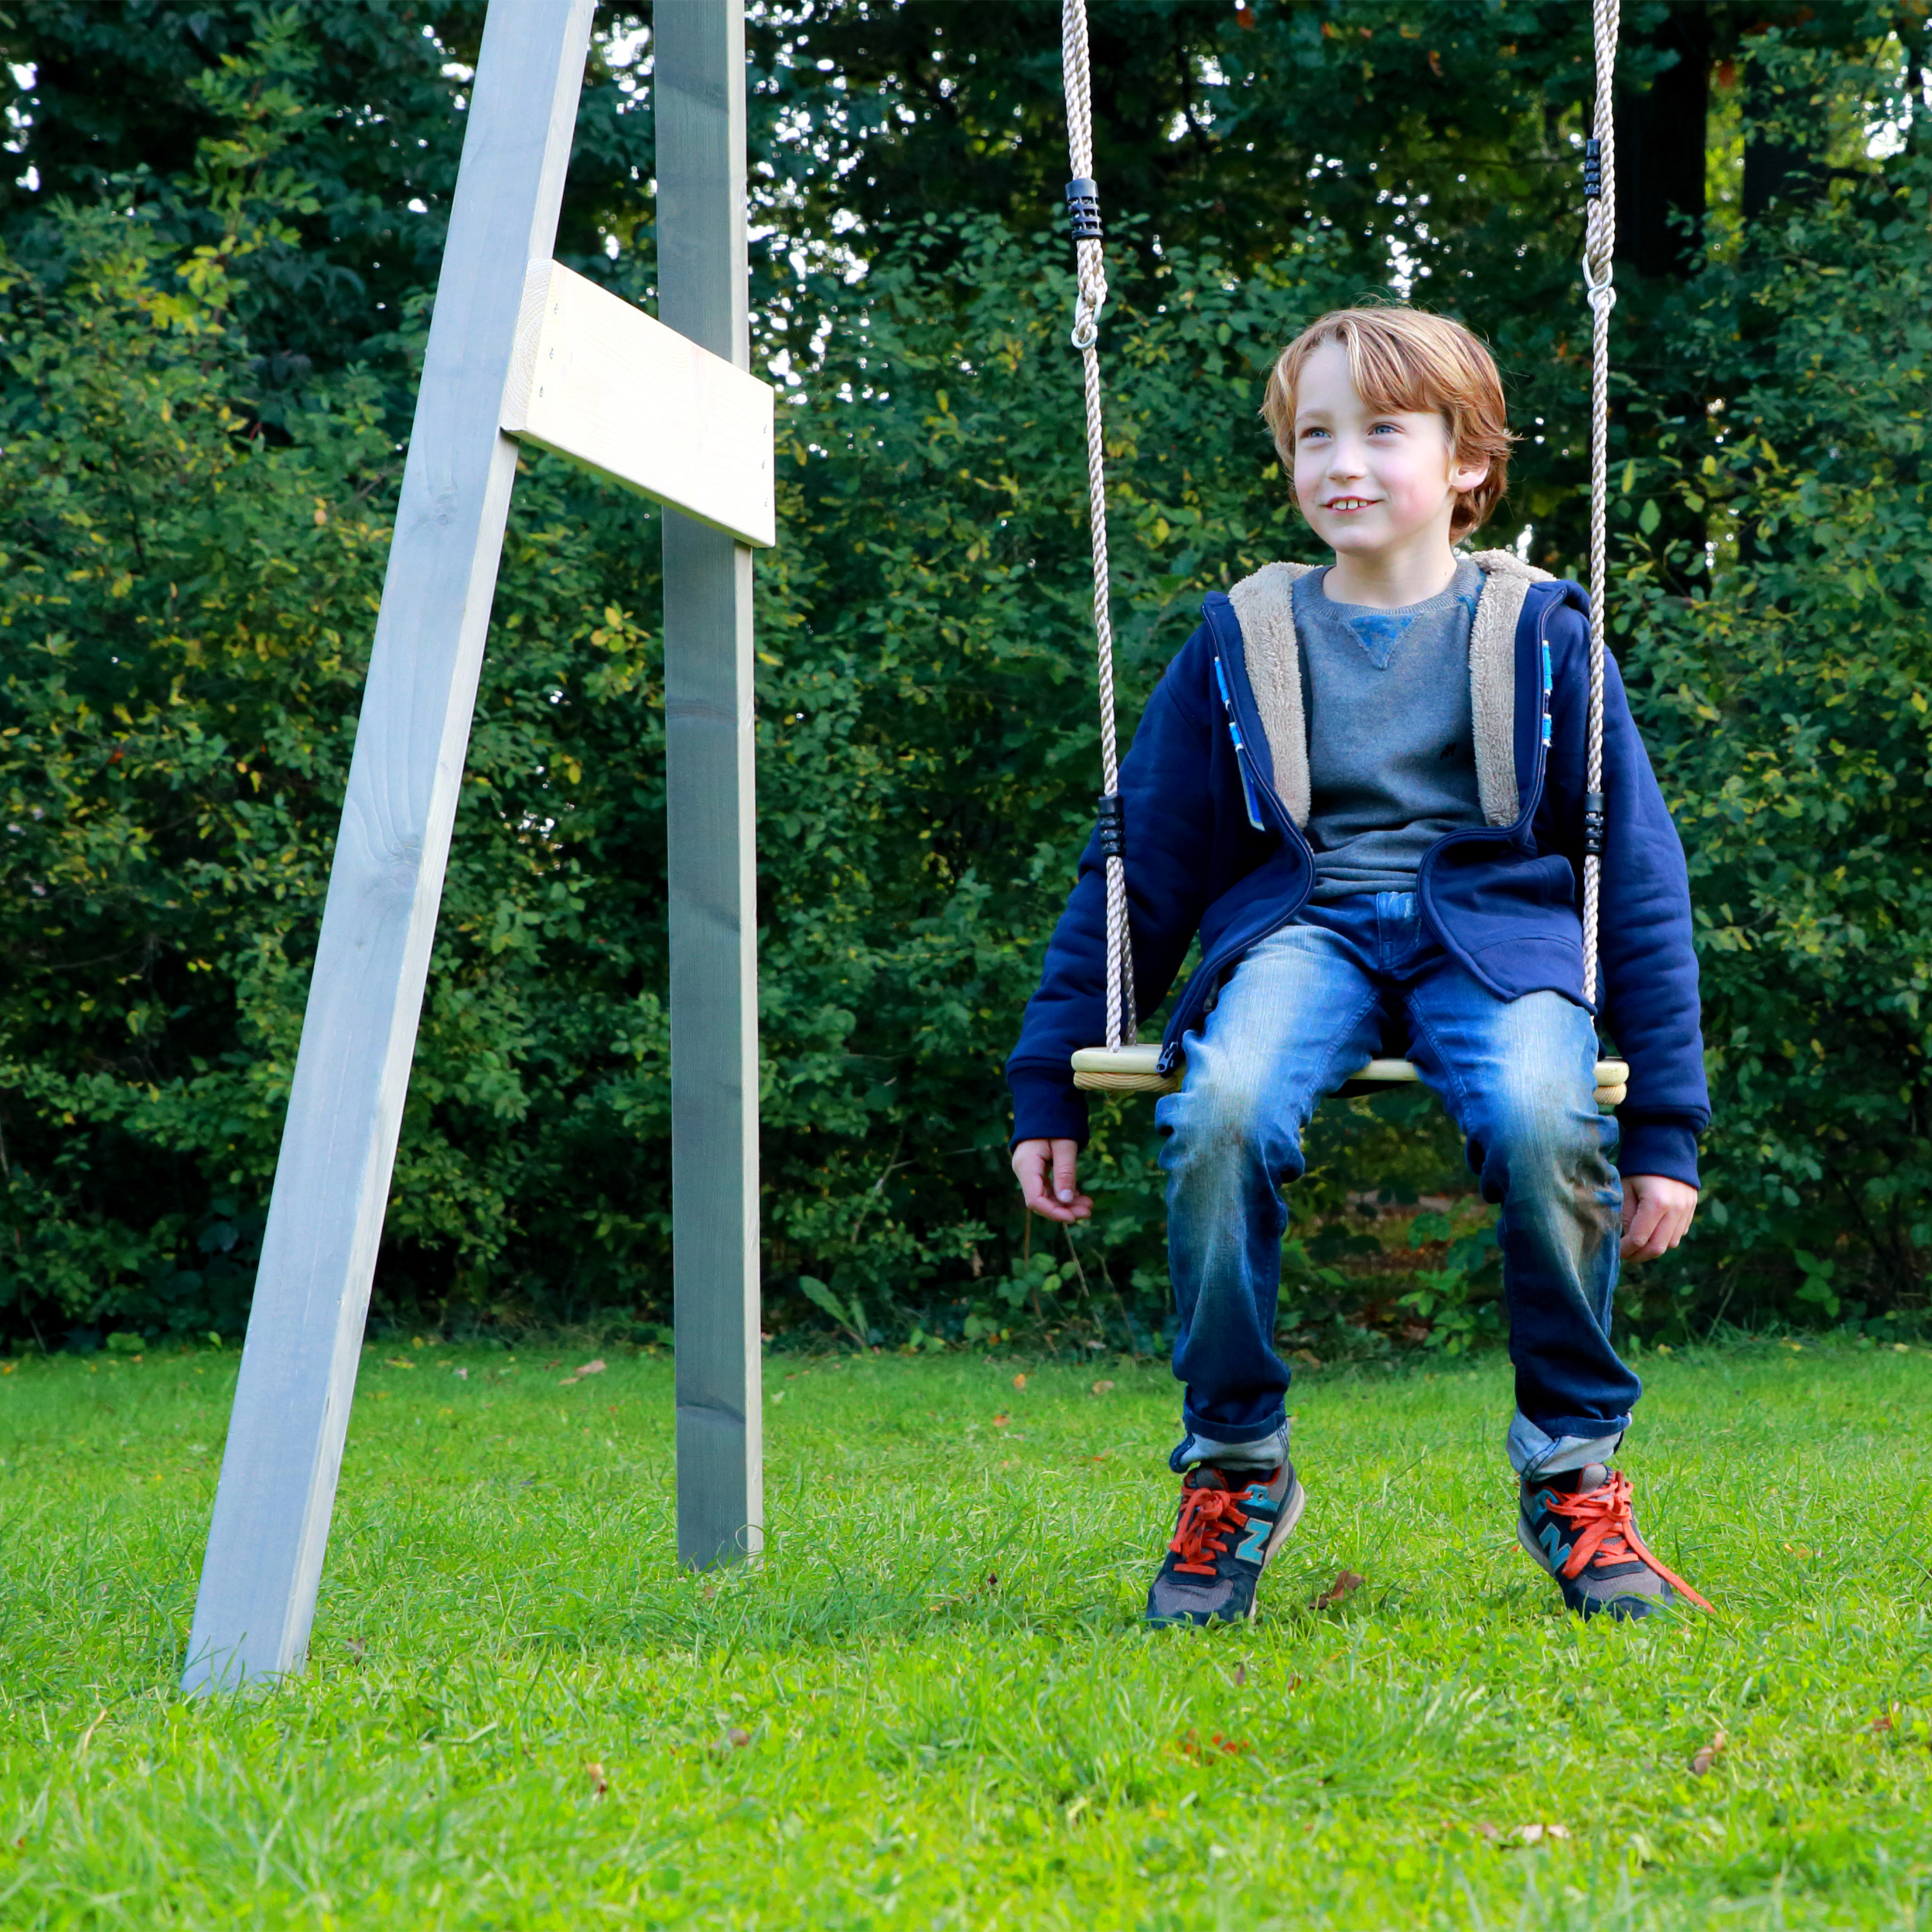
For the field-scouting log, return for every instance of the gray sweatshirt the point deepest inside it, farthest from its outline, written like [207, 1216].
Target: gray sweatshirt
[1391, 749]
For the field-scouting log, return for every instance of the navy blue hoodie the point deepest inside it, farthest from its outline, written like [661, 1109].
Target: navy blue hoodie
[1216, 793]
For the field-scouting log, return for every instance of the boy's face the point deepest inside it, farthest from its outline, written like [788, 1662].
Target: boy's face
[1371, 481]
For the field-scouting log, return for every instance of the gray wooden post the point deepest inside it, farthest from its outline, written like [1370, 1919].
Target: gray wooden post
[298, 1375]
[698, 81]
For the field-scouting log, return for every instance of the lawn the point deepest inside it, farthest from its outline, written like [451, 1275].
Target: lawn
[932, 1705]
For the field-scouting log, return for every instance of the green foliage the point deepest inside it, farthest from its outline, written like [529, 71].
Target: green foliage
[123, 104]
[1785, 700]
[181, 622]
[204, 383]
[1461, 1301]
[186, 606]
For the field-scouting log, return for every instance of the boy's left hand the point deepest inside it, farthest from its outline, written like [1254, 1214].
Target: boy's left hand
[1656, 1215]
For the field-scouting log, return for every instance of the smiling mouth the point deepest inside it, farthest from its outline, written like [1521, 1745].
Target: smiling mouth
[1351, 503]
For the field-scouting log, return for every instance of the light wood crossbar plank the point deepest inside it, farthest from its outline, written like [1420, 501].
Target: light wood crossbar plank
[604, 383]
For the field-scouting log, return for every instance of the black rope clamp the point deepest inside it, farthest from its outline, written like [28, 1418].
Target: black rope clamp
[1593, 170]
[1083, 204]
[1112, 826]
[1593, 823]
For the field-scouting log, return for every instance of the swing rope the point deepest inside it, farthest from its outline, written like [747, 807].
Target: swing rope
[1083, 198]
[1600, 238]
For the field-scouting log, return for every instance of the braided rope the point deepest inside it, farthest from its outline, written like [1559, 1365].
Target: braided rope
[1599, 239]
[1091, 276]
[1599, 249]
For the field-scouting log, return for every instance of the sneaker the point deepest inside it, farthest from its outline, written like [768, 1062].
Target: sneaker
[1578, 1526]
[1231, 1522]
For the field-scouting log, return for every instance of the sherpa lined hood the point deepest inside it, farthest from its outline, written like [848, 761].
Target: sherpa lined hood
[1264, 607]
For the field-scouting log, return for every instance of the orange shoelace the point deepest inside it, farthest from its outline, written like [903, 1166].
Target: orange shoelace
[1605, 1528]
[1206, 1517]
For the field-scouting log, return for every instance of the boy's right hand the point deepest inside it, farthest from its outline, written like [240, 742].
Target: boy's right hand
[1046, 1171]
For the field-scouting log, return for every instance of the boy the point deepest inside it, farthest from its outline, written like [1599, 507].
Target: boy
[1363, 786]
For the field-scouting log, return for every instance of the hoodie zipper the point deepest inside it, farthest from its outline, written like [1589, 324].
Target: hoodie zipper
[1208, 971]
[1241, 759]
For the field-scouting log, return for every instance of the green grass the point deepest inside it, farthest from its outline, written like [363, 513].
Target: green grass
[932, 1705]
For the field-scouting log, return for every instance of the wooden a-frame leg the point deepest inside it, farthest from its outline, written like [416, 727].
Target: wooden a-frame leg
[297, 1374]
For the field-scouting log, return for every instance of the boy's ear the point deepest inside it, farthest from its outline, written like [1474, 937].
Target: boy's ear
[1464, 477]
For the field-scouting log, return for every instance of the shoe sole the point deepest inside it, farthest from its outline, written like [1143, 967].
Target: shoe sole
[1641, 1606]
[1532, 1548]
[1292, 1504]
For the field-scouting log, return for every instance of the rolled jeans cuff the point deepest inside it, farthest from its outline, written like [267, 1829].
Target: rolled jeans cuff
[1535, 1452]
[1265, 1452]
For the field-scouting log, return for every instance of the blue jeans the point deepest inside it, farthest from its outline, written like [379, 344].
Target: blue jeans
[1299, 1015]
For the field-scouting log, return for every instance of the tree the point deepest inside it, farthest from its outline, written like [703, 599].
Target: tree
[202, 409]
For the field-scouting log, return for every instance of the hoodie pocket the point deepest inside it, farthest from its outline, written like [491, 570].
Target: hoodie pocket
[1503, 902]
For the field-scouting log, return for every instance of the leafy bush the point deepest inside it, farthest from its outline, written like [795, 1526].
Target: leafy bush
[193, 545]
[1783, 686]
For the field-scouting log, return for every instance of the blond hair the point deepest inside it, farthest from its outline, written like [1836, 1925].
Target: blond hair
[1405, 359]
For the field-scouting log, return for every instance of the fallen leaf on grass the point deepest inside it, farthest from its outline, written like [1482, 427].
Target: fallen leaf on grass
[1103, 1388]
[595, 1368]
[1885, 1723]
[1001, 1421]
[734, 1740]
[461, 1375]
[1019, 1381]
[356, 1649]
[1344, 1587]
[1241, 1674]
[397, 1362]
[1191, 1746]
[1707, 1755]
[1489, 1832]
[599, 1783]
[1531, 1835]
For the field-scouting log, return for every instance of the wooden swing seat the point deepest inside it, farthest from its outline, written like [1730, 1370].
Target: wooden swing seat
[1136, 1069]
